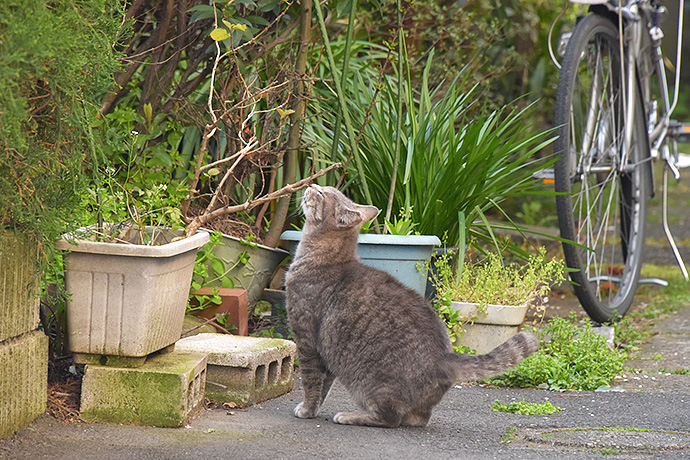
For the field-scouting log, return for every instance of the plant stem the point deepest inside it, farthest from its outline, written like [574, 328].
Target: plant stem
[290, 168]
[342, 102]
[343, 75]
[398, 128]
[198, 221]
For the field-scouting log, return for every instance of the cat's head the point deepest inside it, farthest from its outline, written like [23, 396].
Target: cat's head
[326, 208]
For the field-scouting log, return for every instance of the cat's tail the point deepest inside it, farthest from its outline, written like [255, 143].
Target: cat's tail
[499, 360]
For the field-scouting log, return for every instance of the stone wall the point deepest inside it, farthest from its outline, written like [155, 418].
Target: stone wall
[23, 349]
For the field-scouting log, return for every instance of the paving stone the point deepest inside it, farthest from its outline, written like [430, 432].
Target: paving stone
[23, 380]
[244, 370]
[166, 391]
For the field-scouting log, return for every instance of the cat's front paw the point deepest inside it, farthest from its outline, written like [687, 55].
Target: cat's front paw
[303, 412]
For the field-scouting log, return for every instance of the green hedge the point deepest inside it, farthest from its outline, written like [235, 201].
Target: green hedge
[57, 60]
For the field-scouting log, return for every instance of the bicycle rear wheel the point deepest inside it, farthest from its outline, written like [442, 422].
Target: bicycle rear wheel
[603, 203]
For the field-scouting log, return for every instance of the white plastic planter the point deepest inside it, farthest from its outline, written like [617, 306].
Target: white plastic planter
[490, 329]
[127, 300]
[403, 256]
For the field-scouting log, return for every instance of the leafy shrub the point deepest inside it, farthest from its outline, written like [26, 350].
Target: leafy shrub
[56, 62]
[572, 357]
[450, 161]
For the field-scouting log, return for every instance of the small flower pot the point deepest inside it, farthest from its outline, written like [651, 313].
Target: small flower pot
[127, 300]
[234, 303]
[489, 330]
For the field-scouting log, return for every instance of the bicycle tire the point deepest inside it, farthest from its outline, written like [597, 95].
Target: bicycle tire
[601, 206]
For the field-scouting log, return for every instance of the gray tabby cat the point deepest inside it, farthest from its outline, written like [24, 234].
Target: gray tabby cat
[381, 339]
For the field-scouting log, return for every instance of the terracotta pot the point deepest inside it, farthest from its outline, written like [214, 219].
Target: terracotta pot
[234, 303]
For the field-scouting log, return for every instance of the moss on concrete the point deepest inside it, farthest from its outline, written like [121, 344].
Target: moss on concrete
[165, 391]
[18, 286]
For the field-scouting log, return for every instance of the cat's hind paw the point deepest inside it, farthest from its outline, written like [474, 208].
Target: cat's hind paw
[360, 418]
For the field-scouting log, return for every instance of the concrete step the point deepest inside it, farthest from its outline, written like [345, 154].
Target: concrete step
[166, 391]
[244, 370]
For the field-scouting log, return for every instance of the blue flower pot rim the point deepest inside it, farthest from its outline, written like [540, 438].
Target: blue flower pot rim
[373, 238]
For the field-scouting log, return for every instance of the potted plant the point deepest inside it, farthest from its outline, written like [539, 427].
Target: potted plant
[128, 299]
[240, 263]
[180, 179]
[403, 256]
[128, 272]
[431, 152]
[484, 303]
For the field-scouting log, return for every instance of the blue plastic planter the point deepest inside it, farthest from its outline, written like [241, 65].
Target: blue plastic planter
[403, 256]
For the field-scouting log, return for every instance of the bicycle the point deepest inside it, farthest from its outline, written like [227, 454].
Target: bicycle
[612, 119]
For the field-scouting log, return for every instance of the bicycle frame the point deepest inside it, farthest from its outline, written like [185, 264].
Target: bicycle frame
[639, 22]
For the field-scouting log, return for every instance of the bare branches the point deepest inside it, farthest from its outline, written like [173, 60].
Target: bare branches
[198, 221]
[239, 91]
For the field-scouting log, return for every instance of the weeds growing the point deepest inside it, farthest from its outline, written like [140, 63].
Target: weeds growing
[525, 408]
[573, 357]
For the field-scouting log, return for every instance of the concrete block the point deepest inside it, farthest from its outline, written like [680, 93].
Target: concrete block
[244, 370]
[23, 380]
[19, 291]
[166, 391]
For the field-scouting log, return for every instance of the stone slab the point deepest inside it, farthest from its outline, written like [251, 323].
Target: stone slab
[23, 380]
[166, 391]
[244, 370]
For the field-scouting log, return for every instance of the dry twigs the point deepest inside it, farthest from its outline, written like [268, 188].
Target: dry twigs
[198, 221]
[63, 400]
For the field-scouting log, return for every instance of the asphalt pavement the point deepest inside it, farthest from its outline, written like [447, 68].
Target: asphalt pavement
[645, 415]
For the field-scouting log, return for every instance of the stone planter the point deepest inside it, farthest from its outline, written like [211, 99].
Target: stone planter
[127, 300]
[254, 275]
[234, 303]
[490, 329]
[403, 256]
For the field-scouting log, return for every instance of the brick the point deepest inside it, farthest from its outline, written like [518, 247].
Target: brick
[234, 303]
[19, 301]
[166, 391]
[244, 370]
[23, 380]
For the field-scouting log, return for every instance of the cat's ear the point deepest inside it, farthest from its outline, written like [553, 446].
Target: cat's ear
[347, 217]
[351, 216]
[368, 212]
